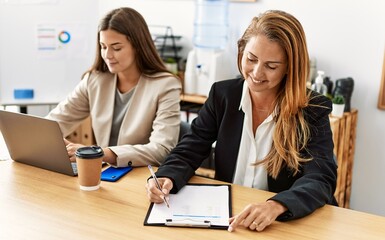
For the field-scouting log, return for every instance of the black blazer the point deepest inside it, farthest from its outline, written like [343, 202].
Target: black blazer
[221, 120]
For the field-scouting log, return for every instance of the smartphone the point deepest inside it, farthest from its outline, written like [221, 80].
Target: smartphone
[113, 174]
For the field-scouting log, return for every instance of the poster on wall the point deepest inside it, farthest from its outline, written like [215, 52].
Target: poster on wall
[58, 41]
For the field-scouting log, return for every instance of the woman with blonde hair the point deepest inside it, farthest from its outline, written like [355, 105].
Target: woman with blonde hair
[271, 132]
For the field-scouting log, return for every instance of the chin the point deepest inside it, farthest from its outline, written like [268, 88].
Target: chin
[112, 70]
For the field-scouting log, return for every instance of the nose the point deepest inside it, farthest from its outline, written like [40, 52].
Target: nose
[258, 70]
[108, 54]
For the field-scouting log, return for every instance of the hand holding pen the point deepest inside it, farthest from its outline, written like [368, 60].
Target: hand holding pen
[158, 186]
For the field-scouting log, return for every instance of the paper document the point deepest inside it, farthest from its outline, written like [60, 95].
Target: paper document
[194, 205]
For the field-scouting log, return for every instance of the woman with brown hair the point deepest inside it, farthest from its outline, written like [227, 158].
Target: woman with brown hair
[133, 100]
[271, 132]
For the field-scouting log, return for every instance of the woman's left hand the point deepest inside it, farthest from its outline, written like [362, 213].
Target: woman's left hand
[257, 216]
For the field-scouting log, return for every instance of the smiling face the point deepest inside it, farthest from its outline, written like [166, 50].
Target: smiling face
[117, 52]
[264, 65]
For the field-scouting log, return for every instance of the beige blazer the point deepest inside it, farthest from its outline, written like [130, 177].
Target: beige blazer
[150, 127]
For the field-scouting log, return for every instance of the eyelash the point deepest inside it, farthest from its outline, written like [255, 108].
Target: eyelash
[115, 49]
[254, 60]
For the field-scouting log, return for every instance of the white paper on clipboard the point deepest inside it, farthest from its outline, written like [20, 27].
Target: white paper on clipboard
[197, 205]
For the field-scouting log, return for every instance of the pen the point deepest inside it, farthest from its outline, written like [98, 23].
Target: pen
[157, 184]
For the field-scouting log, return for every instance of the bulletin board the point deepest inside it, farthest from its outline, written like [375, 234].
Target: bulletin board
[45, 45]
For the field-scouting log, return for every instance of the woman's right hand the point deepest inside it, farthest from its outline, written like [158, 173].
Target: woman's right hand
[154, 194]
[71, 149]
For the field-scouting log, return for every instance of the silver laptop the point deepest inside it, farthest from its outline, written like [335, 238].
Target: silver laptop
[35, 141]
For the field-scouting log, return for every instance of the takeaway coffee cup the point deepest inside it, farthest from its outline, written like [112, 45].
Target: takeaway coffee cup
[89, 165]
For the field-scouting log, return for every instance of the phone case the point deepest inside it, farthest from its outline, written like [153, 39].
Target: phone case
[113, 174]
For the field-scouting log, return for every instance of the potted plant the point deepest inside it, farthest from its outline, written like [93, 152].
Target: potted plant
[338, 106]
[171, 65]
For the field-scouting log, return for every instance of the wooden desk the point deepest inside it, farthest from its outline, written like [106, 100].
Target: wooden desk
[39, 204]
[199, 99]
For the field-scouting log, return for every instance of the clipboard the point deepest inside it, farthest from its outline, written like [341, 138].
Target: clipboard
[195, 205]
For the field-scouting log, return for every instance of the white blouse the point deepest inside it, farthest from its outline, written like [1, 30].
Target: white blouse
[253, 148]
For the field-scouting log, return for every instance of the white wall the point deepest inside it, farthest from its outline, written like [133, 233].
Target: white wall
[347, 38]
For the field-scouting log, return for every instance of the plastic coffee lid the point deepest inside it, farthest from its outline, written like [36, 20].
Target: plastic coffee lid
[89, 152]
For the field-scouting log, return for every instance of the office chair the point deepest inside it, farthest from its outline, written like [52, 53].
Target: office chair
[208, 163]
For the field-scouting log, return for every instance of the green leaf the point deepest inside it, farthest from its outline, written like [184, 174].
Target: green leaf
[338, 99]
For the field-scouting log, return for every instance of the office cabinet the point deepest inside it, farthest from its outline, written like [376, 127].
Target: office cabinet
[344, 137]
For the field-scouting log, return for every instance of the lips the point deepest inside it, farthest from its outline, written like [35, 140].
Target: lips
[257, 81]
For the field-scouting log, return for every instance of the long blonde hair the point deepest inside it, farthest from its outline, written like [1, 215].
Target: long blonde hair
[291, 133]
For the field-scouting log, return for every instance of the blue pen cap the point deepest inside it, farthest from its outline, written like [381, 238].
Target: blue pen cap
[23, 93]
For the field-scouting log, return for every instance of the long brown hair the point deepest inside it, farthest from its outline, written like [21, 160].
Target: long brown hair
[131, 23]
[291, 132]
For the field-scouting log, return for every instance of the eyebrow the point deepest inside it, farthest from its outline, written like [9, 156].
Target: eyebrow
[277, 62]
[113, 44]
